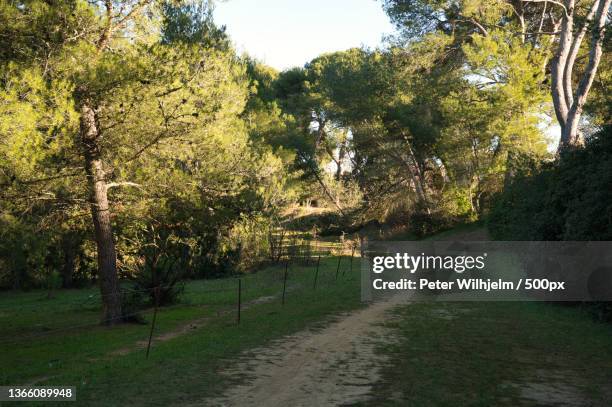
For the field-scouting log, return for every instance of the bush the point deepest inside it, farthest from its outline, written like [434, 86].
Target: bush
[570, 199]
[247, 245]
[132, 302]
[421, 223]
[444, 216]
[159, 280]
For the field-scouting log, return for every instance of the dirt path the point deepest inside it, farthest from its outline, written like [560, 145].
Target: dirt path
[335, 365]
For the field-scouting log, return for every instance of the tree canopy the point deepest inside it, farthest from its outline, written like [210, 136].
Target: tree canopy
[128, 127]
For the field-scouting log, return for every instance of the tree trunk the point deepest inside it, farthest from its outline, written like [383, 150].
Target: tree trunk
[569, 105]
[558, 67]
[341, 155]
[315, 171]
[417, 184]
[571, 135]
[417, 177]
[107, 257]
[69, 249]
[420, 180]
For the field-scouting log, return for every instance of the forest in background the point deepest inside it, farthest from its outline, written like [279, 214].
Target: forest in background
[135, 142]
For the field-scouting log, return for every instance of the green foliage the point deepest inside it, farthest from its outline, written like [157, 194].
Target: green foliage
[208, 148]
[192, 21]
[171, 100]
[567, 200]
[54, 281]
[36, 120]
[159, 280]
[415, 18]
[600, 97]
[249, 242]
[22, 251]
[32, 28]
[155, 271]
[570, 199]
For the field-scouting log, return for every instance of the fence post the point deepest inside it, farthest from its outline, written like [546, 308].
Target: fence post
[239, 299]
[314, 287]
[351, 264]
[285, 281]
[153, 321]
[338, 268]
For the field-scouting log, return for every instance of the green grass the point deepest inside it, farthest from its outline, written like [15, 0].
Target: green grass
[483, 354]
[38, 343]
[494, 353]
[445, 354]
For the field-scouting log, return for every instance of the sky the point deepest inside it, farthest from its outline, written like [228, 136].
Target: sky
[288, 33]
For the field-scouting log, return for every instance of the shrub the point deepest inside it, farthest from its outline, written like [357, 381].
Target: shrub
[159, 279]
[132, 302]
[248, 243]
[445, 215]
[570, 199]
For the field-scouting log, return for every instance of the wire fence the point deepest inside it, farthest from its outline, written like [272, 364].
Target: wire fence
[228, 297]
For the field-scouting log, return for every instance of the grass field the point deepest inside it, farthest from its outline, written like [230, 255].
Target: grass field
[43, 341]
[439, 354]
[495, 353]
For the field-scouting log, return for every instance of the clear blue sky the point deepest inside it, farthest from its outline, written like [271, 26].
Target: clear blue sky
[287, 33]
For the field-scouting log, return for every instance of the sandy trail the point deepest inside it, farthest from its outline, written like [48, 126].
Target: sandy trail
[332, 366]
[336, 365]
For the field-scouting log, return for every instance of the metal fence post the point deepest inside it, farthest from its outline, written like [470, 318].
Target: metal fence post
[285, 281]
[153, 321]
[239, 299]
[351, 264]
[314, 287]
